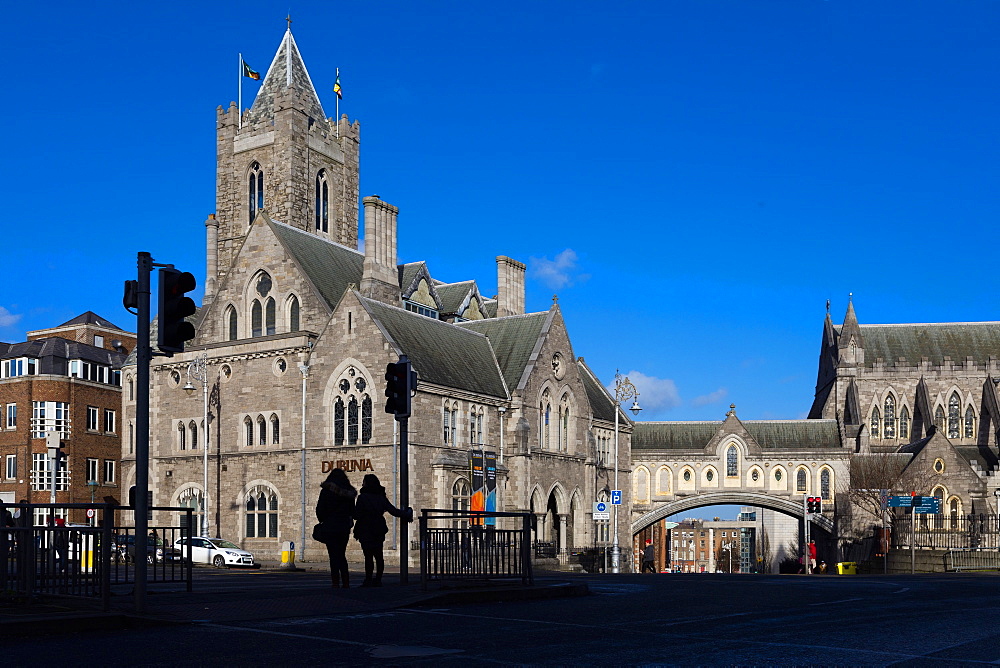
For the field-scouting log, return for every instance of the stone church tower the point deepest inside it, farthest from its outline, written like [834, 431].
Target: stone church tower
[285, 157]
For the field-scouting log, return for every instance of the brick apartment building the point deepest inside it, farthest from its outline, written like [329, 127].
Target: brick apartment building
[65, 379]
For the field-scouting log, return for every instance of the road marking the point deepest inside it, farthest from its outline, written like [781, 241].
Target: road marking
[843, 600]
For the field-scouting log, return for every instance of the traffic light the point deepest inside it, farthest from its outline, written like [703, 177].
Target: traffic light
[401, 381]
[814, 504]
[174, 307]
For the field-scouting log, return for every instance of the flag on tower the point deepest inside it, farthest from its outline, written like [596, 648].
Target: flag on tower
[247, 72]
[336, 86]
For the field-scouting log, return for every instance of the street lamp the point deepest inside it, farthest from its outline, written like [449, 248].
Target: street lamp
[198, 370]
[624, 391]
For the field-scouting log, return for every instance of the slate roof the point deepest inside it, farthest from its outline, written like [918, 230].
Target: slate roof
[601, 403]
[330, 266]
[91, 318]
[55, 347]
[452, 295]
[441, 353]
[287, 70]
[408, 273]
[769, 434]
[513, 339]
[956, 340]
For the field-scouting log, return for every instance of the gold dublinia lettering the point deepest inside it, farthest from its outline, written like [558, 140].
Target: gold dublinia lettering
[348, 465]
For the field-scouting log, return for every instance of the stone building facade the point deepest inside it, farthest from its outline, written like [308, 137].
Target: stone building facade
[66, 379]
[925, 393]
[296, 331]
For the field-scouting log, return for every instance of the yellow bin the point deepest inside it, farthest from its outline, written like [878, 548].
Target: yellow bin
[847, 568]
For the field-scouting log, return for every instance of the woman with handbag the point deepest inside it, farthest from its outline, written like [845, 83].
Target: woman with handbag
[371, 528]
[335, 510]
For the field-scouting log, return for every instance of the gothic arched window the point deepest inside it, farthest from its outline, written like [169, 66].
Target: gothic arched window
[939, 418]
[269, 317]
[954, 414]
[904, 422]
[547, 416]
[876, 423]
[231, 324]
[352, 421]
[262, 514]
[275, 430]
[255, 190]
[293, 314]
[970, 422]
[824, 484]
[193, 428]
[641, 486]
[889, 418]
[338, 422]
[366, 419]
[256, 318]
[564, 425]
[261, 431]
[732, 462]
[800, 480]
[450, 423]
[248, 430]
[322, 202]
[181, 436]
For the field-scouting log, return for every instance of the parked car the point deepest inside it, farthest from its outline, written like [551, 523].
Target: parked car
[156, 550]
[216, 551]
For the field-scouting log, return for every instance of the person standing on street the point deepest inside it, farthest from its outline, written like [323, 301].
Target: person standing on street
[812, 556]
[370, 528]
[648, 557]
[335, 511]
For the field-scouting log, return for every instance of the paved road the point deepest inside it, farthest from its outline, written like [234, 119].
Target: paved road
[629, 619]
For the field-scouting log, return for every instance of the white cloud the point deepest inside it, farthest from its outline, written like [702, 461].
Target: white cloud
[8, 319]
[710, 398]
[654, 393]
[557, 273]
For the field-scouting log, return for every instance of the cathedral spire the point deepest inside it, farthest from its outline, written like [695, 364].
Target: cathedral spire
[287, 73]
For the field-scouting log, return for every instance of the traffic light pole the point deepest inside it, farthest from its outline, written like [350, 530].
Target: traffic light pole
[144, 356]
[404, 498]
[806, 517]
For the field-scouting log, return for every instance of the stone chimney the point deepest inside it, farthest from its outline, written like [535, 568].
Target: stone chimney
[211, 256]
[510, 286]
[380, 277]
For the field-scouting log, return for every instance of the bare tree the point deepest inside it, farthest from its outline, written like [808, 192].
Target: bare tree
[764, 556]
[872, 475]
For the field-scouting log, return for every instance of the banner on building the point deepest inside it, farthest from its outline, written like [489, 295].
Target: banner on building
[490, 465]
[478, 478]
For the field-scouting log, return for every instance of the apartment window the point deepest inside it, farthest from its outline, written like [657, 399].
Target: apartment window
[92, 469]
[49, 416]
[10, 472]
[109, 421]
[11, 416]
[98, 341]
[41, 474]
[22, 366]
[92, 421]
[109, 471]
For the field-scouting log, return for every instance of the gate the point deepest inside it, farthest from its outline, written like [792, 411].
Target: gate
[458, 544]
[83, 560]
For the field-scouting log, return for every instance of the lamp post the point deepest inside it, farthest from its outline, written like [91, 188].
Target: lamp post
[198, 370]
[624, 391]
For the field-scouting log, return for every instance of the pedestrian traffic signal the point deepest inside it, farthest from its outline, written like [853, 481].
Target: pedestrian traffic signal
[814, 504]
[401, 381]
[174, 307]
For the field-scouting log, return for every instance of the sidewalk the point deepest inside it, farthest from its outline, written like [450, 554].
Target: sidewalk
[302, 593]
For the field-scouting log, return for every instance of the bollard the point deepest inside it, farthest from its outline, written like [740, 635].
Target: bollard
[288, 556]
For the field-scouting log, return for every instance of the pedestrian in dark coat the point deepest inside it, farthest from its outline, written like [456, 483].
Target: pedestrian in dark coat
[335, 510]
[370, 529]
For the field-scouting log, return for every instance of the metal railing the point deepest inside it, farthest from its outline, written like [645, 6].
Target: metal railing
[83, 560]
[946, 532]
[458, 544]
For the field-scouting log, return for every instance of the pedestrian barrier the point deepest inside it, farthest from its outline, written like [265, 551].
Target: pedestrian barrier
[466, 544]
[973, 559]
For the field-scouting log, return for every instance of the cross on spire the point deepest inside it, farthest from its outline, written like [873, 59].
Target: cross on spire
[289, 19]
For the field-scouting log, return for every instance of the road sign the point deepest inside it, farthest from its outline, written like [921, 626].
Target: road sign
[602, 510]
[900, 501]
[923, 505]
[616, 497]
[90, 512]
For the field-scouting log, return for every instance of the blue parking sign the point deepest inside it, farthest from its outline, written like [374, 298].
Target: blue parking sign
[616, 497]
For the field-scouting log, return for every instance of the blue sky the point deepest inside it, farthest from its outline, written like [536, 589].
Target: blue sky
[694, 179]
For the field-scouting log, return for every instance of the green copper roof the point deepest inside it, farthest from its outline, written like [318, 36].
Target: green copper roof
[957, 341]
[330, 266]
[441, 353]
[513, 339]
[769, 434]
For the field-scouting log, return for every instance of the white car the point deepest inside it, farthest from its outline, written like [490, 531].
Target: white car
[216, 551]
